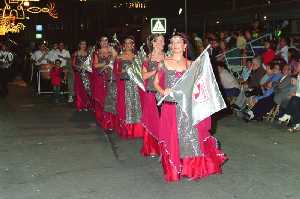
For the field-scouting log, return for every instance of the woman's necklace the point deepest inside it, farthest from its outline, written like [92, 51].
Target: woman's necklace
[178, 60]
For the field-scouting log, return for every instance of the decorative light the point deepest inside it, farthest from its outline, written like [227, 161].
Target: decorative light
[8, 25]
[135, 4]
[15, 10]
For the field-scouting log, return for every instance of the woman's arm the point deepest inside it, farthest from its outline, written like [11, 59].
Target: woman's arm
[146, 74]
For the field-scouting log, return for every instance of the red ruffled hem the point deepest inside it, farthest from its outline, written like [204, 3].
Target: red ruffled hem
[150, 145]
[130, 131]
[109, 121]
[194, 168]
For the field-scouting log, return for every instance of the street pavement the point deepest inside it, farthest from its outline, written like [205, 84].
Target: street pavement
[49, 151]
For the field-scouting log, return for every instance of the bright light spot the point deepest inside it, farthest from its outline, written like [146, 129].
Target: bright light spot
[217, 22]
[26, 3]
[265, 17]
[127, 24]
[138, 30]
[38, 36]
[180, 11]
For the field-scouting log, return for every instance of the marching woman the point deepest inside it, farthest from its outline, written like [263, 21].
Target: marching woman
[105, 85]
[82, 78]
[128, 98]
[192, 154]
[150, 115]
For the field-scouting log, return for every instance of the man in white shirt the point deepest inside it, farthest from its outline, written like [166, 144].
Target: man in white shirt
[6, 60]
[52, 55]
[229, 83]
[40, 56]
[65, 57]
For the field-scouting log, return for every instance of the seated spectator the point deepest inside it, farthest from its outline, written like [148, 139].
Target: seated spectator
[273, 75]
[269, 55]
[229, 83]
[246, 71]
[293, 61]
[281, 96]
[282, 50]
[256, 74]
[252, 84]
[291, 112]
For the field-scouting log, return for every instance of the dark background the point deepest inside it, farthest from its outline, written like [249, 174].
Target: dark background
[88, 20]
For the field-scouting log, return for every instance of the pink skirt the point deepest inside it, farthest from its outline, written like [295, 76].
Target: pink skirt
[150, 120]
[196, 167]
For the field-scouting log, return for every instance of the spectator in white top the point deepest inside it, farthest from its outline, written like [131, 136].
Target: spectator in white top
[6, 60]
[63, 55]
[283, 50]
[53, 53]
[40, 56]
[230, 85]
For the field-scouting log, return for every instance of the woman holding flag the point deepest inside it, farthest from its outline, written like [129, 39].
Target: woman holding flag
[128, 98]
[186, 150]
[150, 115]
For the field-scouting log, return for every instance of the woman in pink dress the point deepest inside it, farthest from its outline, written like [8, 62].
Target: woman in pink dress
[150, 115]
[82, 79]
[128, 98]
[185, 152]
[103, 58]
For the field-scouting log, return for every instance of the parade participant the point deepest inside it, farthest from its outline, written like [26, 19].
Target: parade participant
[150, 115]
[57, 75]
[192, 154]
[6, 60]
[104, 86]
[65, 58]
[128, 99]
[82, 78]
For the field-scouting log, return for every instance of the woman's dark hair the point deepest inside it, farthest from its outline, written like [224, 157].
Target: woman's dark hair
[130, 37]
[152, 38]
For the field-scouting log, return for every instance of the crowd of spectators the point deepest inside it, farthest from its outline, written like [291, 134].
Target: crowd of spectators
[268, 77]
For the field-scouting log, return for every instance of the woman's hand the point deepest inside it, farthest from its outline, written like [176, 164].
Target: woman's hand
[166, 92]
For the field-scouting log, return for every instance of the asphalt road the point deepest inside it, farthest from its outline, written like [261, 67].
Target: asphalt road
[48, 151]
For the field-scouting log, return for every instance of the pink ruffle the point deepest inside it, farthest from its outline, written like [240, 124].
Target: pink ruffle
[150, 145]
[194, 168]
[109, 121]
[130, 131]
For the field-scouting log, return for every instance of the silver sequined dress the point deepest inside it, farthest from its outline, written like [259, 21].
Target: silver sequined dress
[84, 75]
[187, 134]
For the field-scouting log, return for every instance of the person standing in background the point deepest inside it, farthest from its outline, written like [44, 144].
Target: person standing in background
[6, 60]
[64, 56]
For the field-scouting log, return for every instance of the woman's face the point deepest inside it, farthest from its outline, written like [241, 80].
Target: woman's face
[177, 44]
[104, 42]
[82, 45]
[128, 45]
[159, 43]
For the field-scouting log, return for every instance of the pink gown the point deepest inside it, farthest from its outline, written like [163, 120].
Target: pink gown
[128, 104]
[150, 115]
[182, 156]
[98, 90]
[82, 84]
